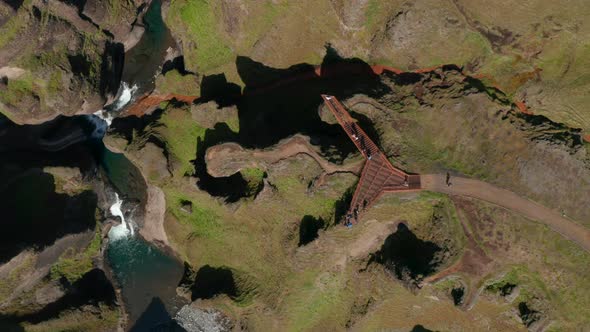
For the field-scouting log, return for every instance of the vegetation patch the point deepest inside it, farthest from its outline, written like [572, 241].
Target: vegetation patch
[15, 90]
[14, 26]
[72, 266]
[210, 282]
[8, 284]
[181, 135]
[203, 221]
[175, 82]
[103, 318]
[204, 46]
[254, 177]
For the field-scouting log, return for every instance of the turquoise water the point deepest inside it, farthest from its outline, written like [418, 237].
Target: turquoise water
[144, 59]
[146, 276]
[126, 178]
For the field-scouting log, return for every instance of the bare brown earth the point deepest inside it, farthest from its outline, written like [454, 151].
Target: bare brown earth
[43, 261]
[147, 103]
[229, 158]
[509, 200]
[153, 226]
[475, 263]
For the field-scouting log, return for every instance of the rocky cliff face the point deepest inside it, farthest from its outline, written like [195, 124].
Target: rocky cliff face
[63, 57]
[531, 50]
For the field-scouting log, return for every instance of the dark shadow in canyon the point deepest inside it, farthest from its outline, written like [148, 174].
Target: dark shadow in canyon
[409, 258]
[47, 142]
[34, 215]
[212, 281]
[309, 228]
[145, 59]
[111, 68]
[15, 4]
[177, 64]
[278, 103]
[231, 187]
[217, 88]
[93, 289]
[341, 205]
[420, 328]
[155, 318]
[458, 294]
[527, 314]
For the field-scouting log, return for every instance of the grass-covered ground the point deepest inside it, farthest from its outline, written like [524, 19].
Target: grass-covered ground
[524, 48]
[327, 284]
[200, 23]
[549, 270]
[72, 265]
[181, 133]
[104, 318]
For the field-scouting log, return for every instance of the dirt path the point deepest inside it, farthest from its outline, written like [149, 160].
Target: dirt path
[509, 200]
[228, 158]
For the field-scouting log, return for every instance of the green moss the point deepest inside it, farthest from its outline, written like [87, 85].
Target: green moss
[510, 278]
[202, 220]
[11, 29]
[312, 304]
[174, 82]
[103, 318]
[55, 82]
[246, 287]
[254, 178]
[373, 9]
[204, 46]
[181, 132]
[234, 124]
[266, 16]
[531, 284]
[446, 284]
[72, 265]
[8, 284]
[17, 90]
[117, 10]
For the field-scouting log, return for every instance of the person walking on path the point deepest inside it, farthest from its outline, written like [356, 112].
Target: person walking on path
[448, 180]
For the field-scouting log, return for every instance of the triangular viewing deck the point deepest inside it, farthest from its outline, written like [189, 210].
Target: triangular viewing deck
[378, 175]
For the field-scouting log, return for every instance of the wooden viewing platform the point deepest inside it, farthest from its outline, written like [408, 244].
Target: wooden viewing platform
[378, 175]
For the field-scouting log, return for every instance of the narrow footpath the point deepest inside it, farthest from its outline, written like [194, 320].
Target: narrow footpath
[511, 201]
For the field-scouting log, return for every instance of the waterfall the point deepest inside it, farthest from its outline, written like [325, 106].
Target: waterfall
[124, 229]
[106, 116]
[125, 95]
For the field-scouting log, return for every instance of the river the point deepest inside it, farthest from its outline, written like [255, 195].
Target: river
[146, 275]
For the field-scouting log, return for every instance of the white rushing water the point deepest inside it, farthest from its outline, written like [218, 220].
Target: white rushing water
[103, 114]
[124, 229]
[125, 95]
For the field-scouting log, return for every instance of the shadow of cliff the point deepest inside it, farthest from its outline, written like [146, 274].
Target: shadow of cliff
[93, 288]
[278, 103]
[34, 215]
[408, 257]
[156, 318]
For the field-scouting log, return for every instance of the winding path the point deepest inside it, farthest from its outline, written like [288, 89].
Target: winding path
[510, 200]
[228, 158]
